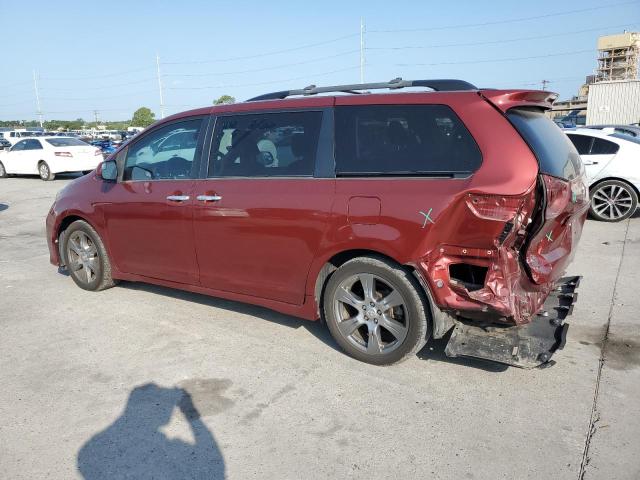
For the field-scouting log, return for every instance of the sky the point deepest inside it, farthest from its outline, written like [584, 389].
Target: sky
[101, 56]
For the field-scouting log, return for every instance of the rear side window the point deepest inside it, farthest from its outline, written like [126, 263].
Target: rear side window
[555, 153]
[603, 147]
[581, 142]
[407, 140]
[65, 142]
[265, 145]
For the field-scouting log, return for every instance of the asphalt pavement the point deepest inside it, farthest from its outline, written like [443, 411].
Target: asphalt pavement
[141, 381]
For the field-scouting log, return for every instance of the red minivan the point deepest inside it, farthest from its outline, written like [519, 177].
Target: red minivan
[394, 217]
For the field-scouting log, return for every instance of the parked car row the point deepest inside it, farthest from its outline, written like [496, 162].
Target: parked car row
[47, 156]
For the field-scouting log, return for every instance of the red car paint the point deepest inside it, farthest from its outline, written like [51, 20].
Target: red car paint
[266, 242]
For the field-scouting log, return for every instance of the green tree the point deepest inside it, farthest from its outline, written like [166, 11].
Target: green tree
[143, 117]
[225, 100]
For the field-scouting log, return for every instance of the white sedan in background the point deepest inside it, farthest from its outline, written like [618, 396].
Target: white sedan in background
[612, 164]
[46, 156]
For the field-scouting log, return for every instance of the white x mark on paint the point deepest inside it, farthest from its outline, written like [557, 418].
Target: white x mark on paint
[427, 217]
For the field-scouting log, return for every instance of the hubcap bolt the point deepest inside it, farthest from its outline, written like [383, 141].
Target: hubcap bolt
[371, 303]
[375, 321]
[364, 307]
[366, 318]
[379, 312]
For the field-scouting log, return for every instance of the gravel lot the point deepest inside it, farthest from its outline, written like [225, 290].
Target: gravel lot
[154, 383]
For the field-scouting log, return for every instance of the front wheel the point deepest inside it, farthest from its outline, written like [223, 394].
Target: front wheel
[3, 171]
[613, 201]
[375, 311]
[45, 172]
[86, 258]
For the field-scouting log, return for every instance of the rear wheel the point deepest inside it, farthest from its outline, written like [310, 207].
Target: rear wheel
[3, 171]
[45, 172]
[613, 201]
[86, 258]
[374, 311]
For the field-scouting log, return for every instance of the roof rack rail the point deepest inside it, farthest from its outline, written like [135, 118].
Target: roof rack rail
[356, 88]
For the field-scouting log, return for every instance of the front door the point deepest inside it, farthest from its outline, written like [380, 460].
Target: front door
[148, 213]
[260, 215]
[13, 158]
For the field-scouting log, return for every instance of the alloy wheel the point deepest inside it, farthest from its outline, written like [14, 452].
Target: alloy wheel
[82, 256]
[612, 201]
[372, 314]
[44, 171]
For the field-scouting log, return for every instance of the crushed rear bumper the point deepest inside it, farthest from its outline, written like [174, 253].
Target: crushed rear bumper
[524, 346]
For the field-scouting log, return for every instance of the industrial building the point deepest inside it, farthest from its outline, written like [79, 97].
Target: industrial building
[612, 93]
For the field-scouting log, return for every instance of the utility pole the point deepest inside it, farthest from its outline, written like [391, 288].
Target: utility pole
[361, 50]
[35, 86]
[544, 84]
[160, 86]
[95, 115]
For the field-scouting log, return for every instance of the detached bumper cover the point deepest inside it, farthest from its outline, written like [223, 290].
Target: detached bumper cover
[524, 346]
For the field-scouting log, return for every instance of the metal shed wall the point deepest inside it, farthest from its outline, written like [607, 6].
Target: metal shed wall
[614, 102]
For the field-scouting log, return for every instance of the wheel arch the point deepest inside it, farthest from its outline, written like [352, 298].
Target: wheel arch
[62, 227]
[343, 256]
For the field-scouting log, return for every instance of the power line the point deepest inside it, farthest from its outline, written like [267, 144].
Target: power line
[108, 75]
[502, 22]
[255, 70]
[265, 54]
[266, 83]
[497, 42]
[493, 60]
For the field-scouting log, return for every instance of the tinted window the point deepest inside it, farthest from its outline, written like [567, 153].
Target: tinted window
[167, 152]
[65, 142]
[403, 140]
[19, 146]
[32, 144]
[624, 136]
[555, 153]
[265, 145]
[581, 142]
[603, 147]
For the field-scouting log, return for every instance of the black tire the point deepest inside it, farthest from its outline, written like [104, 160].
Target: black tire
[3, 171]
[97, 259]
[86, 172]
[412, 314]
[612, 201]
[45, 172]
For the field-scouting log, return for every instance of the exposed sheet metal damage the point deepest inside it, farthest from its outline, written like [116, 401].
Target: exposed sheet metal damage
[525, 346]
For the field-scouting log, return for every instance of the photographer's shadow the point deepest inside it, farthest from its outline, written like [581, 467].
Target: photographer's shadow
[134, 447]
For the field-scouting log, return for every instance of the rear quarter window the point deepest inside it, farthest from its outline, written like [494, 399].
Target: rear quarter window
[555, 153]
[409, 140]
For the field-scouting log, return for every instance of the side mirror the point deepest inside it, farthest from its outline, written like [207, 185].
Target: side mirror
[109, 171]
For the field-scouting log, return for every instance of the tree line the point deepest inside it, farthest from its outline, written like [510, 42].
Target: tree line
[142, 117]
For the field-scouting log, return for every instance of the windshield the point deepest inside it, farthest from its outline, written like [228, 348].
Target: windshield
[65, 142]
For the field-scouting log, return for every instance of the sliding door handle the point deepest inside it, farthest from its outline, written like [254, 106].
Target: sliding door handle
[209, 198]
[178, 198]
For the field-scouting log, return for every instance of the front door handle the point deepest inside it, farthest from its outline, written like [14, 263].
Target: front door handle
[178, 198]
[209, 198]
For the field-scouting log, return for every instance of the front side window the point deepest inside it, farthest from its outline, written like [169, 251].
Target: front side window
[19, 146]
[166, 153]
[407, 140]
[265, 145]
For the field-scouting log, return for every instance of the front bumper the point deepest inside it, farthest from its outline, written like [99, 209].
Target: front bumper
[526, 346]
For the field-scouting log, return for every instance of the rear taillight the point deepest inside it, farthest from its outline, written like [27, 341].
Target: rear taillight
[558, 196]
[495, 207]
[62, 154]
